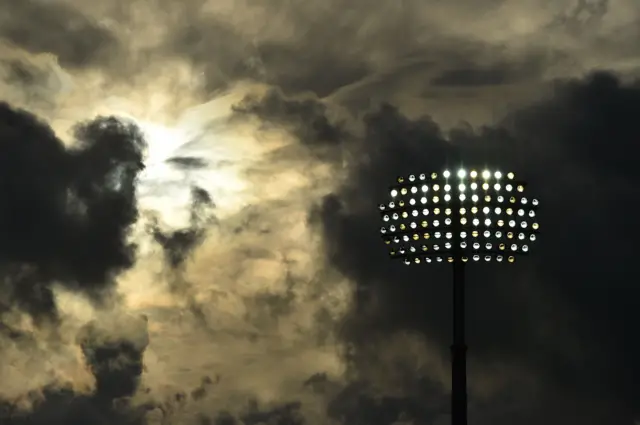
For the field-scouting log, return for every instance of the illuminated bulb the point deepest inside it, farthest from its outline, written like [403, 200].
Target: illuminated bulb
[486, 210]
[486, 174]
[423, 200]
[474, 198]
[485, 186]
[434, 176]
[446, 174]
[425, 188]
[412, 201]
[436, 199]
[414, 189]
[498, 210]
[436, 187]
[394, 193]
[461, 188]
[496, 186]
[423, 176]
[412, 178]
[511, 176]
[403, 191]
[386, 217]
[474, 186]
[473, 174]
[462, 173]
[487, 258]
[447, 187]
[498, 175]
[462, 197]
[447, 197]
[487, 222]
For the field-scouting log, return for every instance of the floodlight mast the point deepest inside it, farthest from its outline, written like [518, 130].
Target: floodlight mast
[463, 234]
[459, 346]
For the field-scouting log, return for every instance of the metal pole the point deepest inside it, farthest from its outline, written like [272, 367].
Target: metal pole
[458, 349]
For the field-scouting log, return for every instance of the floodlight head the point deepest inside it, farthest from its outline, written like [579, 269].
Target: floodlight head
[432, 220]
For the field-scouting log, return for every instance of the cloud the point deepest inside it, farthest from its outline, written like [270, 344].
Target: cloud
[65, 213]
[284, 307]
[307, 118]
[56, 28]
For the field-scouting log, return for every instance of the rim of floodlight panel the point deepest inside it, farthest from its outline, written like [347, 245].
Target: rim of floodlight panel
[470, 253]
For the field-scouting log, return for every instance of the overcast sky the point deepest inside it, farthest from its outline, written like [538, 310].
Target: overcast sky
[188, 221]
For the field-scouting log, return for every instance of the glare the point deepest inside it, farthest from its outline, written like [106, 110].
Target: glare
[486, 174]
[462, 173]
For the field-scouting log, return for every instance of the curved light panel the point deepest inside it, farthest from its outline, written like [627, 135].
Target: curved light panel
[459, 215]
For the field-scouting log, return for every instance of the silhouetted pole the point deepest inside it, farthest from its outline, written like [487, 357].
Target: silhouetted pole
[458, 349]
[459, 346]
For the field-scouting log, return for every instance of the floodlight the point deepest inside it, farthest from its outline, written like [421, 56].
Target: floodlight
[476, 228]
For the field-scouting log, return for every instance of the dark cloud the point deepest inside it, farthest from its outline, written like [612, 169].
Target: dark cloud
[306, 118]
[55, 27]
[188, 162]
[560, 314]
[65, 213]
[179, 244]
[114, 351]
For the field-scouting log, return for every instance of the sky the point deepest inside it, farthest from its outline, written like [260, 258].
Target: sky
[188, 210]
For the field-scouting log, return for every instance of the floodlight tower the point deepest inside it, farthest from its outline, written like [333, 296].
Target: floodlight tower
[461, 218]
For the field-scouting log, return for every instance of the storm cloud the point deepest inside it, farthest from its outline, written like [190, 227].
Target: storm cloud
[271, 132]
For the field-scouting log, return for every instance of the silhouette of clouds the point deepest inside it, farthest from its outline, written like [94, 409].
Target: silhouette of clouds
[65, 213]
[284, 308]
